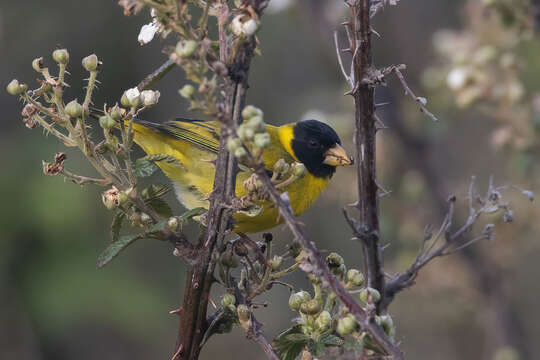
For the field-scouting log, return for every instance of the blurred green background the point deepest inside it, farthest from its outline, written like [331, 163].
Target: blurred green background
[55, 304]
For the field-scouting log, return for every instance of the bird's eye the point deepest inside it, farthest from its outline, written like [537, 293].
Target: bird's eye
[313, 144]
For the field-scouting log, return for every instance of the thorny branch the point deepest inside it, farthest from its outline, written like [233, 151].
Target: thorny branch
[445, 242]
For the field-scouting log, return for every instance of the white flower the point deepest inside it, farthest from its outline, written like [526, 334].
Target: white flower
[244, 27]
[236, 26]
[457, 78]
[133, 95]
[147, 33]
[149, 97]
[250, 27]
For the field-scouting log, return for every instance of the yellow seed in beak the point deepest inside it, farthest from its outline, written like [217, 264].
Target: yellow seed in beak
[337, 156]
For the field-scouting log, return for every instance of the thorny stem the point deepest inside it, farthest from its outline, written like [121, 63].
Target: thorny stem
[367, 229]
[317, 266]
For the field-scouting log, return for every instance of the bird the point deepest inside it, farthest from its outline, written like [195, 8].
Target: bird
[195, 144]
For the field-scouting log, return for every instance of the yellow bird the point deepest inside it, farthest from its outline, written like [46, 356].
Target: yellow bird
[195, 144]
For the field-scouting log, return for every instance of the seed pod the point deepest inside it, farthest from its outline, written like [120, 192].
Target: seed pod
[276, 262]
[233, 144]
[149, 97]
[186, 48]
[240, 153]
[299, 170]
[257, 124]
[262, 140]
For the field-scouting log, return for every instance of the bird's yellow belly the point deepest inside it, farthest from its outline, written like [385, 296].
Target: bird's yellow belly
[302, 193]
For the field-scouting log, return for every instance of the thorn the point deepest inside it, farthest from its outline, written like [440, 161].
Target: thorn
[180, 348]
[212, 302]
[176, 311]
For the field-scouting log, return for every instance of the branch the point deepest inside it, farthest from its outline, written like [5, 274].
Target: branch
[367, 229]
[255, 333]
[156, 75]
[421, 101]
[452, 242]
[318, 267]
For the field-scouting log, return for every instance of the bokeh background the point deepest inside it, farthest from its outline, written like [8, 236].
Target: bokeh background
[479, 304]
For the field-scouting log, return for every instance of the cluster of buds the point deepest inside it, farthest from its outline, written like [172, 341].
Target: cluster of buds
[252, 136]
[482, 68]
[134, 98]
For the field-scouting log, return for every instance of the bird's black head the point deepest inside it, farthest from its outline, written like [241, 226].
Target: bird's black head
[318, 147]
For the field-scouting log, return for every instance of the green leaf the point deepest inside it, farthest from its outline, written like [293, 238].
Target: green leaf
[115, 248]
[287, 349]
[330, 340]
[157, 227]
[299, 338]
[190, 214]
[353, 344]
[146, 166]
[116, 225]
[160, 206]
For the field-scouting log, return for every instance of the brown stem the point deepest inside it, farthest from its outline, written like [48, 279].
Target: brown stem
[317, 267]
[365, 138]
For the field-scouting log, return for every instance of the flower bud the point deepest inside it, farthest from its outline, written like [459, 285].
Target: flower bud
[111, 198]
[324, 321]
[334, 260]
[90, 63]
[262, 140]
[122, 198]
[295, 300]
[305, 295]
[387, 324]
[355, 277]
[251, 111]
[257, 124]
[107, 122]
[37, 64]
[228, 259]
[145, 218]
[346, 325]
[311, 307]
[133, 96]
[74, 109]
[173, 223]
[14, 88]
[187, 91]
[115, 113]
[61, 56]
[228, 299]
[149, 97]
[368, 293]
[240, 153]
[281, 166]
[276, 262]
[245, 133]
[233, 144]
[300, 170]
[244, 314]
[186, 48]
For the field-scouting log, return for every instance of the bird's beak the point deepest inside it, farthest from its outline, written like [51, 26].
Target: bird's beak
[337, 156]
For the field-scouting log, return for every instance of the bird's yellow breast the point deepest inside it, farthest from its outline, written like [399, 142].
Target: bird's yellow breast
[193, 181]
